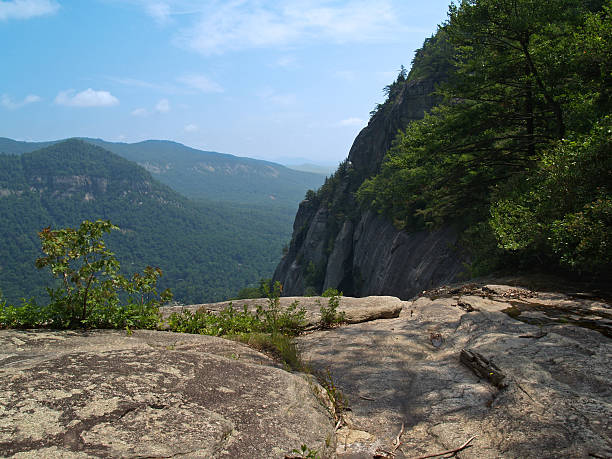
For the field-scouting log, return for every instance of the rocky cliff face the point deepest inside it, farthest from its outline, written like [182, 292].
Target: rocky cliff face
[337, 245]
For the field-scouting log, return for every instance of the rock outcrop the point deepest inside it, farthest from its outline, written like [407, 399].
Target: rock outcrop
[152, 394]
[159, 394]
[556, 400]
[355, 310]
[337, 245]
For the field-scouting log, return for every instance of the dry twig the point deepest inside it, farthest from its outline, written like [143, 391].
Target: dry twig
[397, 443]
[450, 451]
[383, 454]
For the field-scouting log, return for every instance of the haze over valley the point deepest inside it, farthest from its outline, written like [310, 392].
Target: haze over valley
[214, 223]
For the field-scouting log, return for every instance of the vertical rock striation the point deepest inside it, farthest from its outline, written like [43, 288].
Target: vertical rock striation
[335, 244]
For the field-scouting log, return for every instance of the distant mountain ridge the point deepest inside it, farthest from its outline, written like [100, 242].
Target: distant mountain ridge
[207, 251]
[207, 175]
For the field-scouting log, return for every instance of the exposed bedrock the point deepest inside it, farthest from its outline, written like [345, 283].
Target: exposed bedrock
[335, 244]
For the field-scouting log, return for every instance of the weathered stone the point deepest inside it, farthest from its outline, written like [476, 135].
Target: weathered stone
[151, 394]
[558, 402]
[391, 262]
[355, 310]
[340, 260]
[158, 394]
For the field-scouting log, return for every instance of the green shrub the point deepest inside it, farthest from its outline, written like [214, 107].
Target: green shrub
[288, 321]
[304, 453]
[268, 329]
[28, 315]
[336, 396]
[329, 314]
[272, 319]
[226, 322]
[91, 292]
[279, 346]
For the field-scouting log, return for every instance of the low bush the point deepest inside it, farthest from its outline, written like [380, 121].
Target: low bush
[329, 314]
[90, 292]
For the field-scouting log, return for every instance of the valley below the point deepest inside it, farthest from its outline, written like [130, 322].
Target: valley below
[214, 223]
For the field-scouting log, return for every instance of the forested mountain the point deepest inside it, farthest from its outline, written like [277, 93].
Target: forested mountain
[509, 169]
[207, 251]
[205, 174]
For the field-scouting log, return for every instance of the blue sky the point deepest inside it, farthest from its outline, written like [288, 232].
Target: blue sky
[265, 79]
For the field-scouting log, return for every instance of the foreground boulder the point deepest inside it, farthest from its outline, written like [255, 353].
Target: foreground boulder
[551, 395]
[151, 394]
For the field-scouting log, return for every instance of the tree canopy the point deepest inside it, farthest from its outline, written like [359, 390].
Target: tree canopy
[518, 153]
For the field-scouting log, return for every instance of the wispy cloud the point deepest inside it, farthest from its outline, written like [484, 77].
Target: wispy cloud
[223, 26]
[200, 83]
[269, 95]
[160, 11]
[352, 122]
[163, 106]
[191, 128]
[134, 82]
[26, 9]
[87, 98]
[7, 102]
[140, 112]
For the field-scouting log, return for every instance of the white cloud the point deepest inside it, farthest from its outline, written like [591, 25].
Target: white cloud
[25, 9]
[352, 122]
[87, 98]
[201, 83]
[160, 11]
[269, 95]
[7, 102]
[163, 106]
[244, 24]
[140, 112]
[191, 128]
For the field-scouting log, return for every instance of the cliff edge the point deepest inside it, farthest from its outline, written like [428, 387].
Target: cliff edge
[335, 244]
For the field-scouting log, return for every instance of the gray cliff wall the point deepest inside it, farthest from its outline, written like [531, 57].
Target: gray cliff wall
[391, 262]
[357, 251]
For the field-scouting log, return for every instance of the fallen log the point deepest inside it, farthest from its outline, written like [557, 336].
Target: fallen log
[483, 367]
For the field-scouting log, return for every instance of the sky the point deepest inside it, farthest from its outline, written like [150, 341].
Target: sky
[264, 79]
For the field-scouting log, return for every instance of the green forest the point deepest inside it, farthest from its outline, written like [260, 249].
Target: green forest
[205, 175]
[517, 156]
[207, 251]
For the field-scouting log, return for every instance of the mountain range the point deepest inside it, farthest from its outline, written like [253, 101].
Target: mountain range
[227, 233]
[199, 174]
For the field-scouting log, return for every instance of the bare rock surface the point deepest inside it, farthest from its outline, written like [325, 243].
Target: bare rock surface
[355, 310]
[152, 394]
[158, 394]
[557, 399]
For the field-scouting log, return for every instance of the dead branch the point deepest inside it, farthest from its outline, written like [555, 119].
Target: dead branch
[398, 442]
[483, 367]
[383, 454]
[450, 451]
